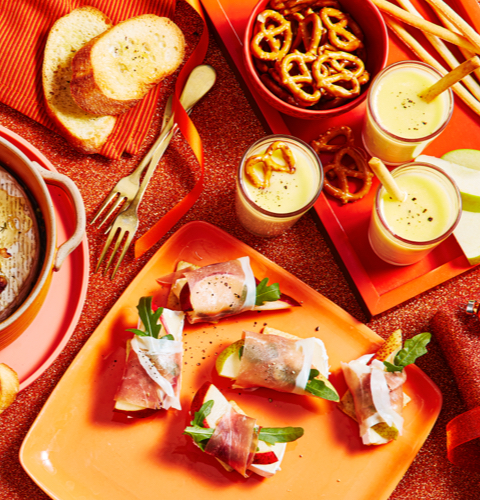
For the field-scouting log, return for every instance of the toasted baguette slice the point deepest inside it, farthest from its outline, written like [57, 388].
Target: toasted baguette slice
[116, 69]
[85, 132]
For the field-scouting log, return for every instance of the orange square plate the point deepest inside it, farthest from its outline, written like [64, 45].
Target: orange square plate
[78, 448]
[378, 285]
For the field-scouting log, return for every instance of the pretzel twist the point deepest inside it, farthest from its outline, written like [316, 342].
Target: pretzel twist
[338, 34]
[297, 77]
[269, 164]
[322, 143]
[337, 175]
[274, 31]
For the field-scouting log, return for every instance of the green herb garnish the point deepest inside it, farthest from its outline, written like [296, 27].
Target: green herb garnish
[321, 387]
[413, 349]
[270, 435]
[267, 293]
[149, 319]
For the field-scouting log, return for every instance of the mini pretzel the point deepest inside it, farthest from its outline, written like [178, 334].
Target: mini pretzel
[341, 61]
[297, 78]
[331, 85]
[269, 164]
[339, 173]
[338, 35]
[274, 31]
[310, 32]
[322, 143]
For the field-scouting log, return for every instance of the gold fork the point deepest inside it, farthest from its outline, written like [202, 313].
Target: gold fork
[126, 188]
[126, 222]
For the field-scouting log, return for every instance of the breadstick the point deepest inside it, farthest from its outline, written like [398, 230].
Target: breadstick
[423, 55]
[451, 78]
[426, 26]
[444, 51]
[460, 23]
[466, 53]
[387, 180]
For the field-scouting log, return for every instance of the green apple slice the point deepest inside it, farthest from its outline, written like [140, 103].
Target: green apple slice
[466, 157]
[467, 179]
[467, 235]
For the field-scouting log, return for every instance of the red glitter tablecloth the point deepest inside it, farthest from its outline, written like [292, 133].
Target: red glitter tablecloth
[227, 126]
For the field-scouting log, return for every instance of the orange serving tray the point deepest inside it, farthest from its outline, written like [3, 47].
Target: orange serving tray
[79, 448]
[379, 286]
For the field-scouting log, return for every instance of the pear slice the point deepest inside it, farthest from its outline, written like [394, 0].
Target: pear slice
[228, 361]
[467, 236]
[390, 347]
[9, 386]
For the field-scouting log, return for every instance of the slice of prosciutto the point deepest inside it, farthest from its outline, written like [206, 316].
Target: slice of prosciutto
[219, 290]
[377, 395]
[279, 363]
[152, 374]
[216, 291]
[234, 441]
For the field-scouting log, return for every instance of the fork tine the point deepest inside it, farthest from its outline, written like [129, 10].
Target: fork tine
[121, 233]
[105, 248]
[120, 201]
[126, 246]
[107, 200]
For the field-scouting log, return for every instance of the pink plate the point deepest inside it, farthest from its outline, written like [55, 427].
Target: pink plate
[36, 349]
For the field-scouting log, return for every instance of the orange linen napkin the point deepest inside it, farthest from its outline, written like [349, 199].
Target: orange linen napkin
[24, 28]
[459, 337]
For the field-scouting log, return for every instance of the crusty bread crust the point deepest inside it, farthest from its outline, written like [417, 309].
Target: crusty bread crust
[112, 72]
[85, 132]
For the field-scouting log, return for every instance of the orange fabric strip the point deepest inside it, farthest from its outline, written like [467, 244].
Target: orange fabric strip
[24, 27]
[463, 440]
[153, 235]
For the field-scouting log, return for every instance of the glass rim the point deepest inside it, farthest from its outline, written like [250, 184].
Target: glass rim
[447, 232]
[280, 215]
[375, 117]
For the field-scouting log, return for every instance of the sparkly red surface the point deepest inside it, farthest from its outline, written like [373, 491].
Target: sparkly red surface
[227, 126]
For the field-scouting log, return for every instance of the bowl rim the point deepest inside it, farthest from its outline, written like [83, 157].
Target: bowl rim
[296, 110]
[47, 265]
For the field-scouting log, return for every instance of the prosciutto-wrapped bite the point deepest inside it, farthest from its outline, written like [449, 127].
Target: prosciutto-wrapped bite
[279, 361]
[216, 291]
[375, 382]
[221, 429]
[152, 374]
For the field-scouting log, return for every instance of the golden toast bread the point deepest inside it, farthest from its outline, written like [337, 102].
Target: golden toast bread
[85, 132]
[112, 72]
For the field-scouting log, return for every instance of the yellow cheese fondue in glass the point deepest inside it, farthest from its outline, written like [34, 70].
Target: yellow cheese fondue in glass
[269, 211]
[403, 232]
[399, 123]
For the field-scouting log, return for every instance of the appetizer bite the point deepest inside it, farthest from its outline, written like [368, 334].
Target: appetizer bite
[9, 386]
[280, 361]
[216, 291]
[152, 375]
[375, 398]
[221, 429]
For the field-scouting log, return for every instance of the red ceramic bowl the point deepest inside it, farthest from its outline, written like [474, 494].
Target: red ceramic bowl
[373, 26]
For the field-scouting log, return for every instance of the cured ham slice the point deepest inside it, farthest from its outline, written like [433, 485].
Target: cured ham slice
[152, 373]
[234, 441]
[279, 363]
[216, 291]
[377, 396]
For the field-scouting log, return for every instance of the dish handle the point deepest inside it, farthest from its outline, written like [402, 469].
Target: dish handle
[65, 183]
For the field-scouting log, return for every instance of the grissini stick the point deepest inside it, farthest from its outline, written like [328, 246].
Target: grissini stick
[460, 23]
[451, 78]
[424, 56]
[445, 52]
[387, 180]
[426, 26]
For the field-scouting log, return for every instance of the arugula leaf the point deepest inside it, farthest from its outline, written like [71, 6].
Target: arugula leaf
[149, 319]
[200, 435]
[202, 414]
[267, 293]
[413, 349]
[169, 336]
[322, 389]
[313, 373]
[272, 435]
